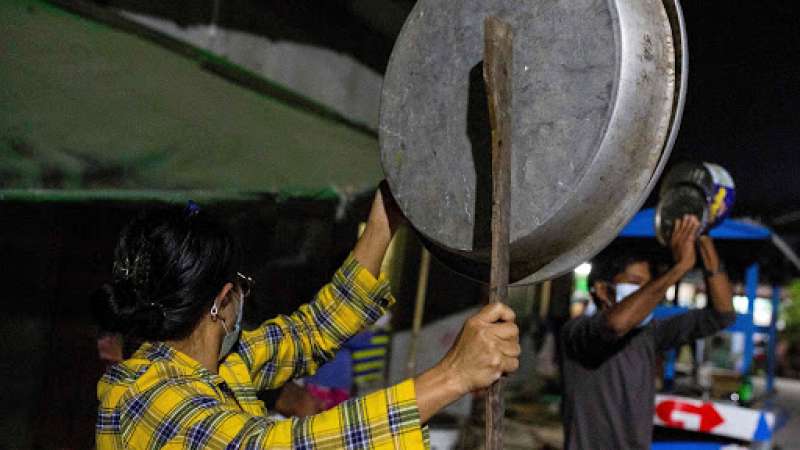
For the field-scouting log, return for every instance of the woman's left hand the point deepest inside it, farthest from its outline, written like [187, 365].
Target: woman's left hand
[386, 209]
[384, 219]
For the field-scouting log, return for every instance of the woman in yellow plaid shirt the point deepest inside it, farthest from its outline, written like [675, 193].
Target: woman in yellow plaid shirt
[193, 383]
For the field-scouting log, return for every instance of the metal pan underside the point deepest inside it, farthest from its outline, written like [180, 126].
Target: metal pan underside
[596, 104]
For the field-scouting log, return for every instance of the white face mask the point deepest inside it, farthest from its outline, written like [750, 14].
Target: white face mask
[231, 336]
[590, 309]
[624, 290]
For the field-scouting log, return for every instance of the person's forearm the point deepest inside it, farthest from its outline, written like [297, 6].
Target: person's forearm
[382, 223]
[720, 291]
[371, 246]
[435, 389]
[717, 283]
[628, 314]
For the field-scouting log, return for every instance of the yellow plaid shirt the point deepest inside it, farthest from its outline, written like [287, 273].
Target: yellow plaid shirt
[161, 398]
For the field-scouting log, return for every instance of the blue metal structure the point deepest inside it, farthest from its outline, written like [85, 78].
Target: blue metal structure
[750, 288]
[773, 337]
[642, 226]
[687, 446]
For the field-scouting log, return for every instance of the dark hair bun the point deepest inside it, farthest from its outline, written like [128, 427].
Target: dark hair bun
[168, 267]
[118, 308]
[113, 306]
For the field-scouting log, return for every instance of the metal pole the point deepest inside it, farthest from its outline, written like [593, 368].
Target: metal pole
[773, 336]
[751, 289]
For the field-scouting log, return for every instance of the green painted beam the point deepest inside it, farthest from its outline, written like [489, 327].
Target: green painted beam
[67, 196]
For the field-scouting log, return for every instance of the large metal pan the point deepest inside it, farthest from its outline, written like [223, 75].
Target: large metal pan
[598, 92]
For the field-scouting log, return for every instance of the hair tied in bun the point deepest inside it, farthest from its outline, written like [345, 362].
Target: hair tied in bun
[163, 277]
[159, 307]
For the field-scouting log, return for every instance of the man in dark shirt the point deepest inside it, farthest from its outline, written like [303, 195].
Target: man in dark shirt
[609, 357]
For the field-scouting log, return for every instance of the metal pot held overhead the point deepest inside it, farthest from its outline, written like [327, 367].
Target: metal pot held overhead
[598, 92]
[704, 190]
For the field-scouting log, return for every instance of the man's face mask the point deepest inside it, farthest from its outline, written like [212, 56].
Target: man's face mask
[591, 308]
[623, 291]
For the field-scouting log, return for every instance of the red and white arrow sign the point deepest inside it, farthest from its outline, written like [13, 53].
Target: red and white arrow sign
[721, 419]
[673, 414]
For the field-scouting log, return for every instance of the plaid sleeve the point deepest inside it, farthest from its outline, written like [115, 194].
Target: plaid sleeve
[386, 419]
[296, 345]
[168, 417]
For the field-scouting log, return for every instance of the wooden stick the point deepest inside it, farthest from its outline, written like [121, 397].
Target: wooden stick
[419, 311]
[497, 65]
[545, 289]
